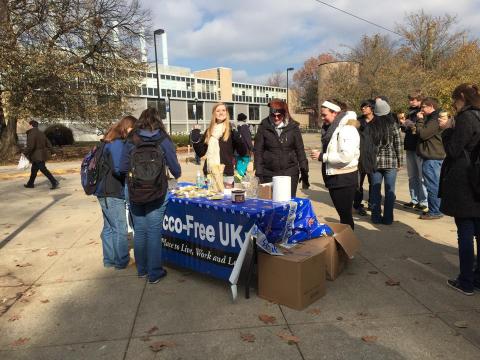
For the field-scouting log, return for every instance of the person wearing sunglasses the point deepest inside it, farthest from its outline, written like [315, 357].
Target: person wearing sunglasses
[278, 149]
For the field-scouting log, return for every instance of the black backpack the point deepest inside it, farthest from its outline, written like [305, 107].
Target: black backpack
[147, 178]
[93, 168]
[367, 163]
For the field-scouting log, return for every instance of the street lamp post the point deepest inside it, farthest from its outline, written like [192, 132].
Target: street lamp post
[288, 69]
[169, 93]
[155, 33]
[195, 110]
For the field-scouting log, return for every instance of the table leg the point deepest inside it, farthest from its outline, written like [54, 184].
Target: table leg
[251, 268]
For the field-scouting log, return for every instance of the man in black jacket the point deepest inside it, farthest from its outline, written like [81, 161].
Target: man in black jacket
[36, 152]
[279, 148]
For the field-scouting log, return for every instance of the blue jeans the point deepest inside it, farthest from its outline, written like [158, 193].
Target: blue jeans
[418, 191]
[147, 239]
[467, 228]
[114, 233]
[431, 177]
[390, 176]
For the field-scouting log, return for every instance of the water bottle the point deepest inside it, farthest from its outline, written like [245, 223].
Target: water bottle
[199, 180]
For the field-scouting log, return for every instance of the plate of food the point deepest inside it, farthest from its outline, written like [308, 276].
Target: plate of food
[215, 197]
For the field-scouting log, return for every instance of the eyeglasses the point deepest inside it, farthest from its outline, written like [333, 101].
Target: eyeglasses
[278, 115]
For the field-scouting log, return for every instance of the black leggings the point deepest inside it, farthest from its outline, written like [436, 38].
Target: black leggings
[343, 200]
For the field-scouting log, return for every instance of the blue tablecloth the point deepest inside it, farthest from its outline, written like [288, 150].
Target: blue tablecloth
[208, 236]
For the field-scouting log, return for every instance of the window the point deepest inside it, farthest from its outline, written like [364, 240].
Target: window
[253, 112]
[150, 91]
[162, 77]
[144, 90]
[184, 94]
[230, 110]
[155, 92]
[159, 105]
[191, 113]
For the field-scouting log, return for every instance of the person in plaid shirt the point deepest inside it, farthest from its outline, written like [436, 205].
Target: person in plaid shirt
[386, 135]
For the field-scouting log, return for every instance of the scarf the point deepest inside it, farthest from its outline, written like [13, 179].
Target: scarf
[280, 126]
[213, 150]
[327, 132]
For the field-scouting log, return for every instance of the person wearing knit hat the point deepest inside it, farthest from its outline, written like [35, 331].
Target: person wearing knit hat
[386, 137]
[381, 107]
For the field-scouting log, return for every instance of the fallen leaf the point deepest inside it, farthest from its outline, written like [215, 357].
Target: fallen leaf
[247, 337]
[14, 317]
[461, 324]
[362, 314]
[315, 311]
[20, 341]
[373, 272]
[369, 338]
[339, 318]
[160, 345]
[23, 265]
[151, 330]
[35, 250]
[391, 282]
[267, 319]
[411, 232]
[52, 253]
[290, 339]
[45, 301]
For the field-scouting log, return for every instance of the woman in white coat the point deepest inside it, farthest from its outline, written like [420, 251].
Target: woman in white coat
[339, 156]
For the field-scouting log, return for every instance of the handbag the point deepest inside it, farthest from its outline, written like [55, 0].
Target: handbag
[23, 163]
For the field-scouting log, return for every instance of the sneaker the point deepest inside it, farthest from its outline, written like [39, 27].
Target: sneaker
[428, 216]
[54, 185]
[361, 211]
[409, 205]
[157, 280]
[28, 186]
[422, 208]
[142, 276]
[454, 284]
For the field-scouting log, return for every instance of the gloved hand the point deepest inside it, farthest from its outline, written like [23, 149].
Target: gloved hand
[304, 180]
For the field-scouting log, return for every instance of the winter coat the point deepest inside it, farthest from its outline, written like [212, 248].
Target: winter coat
[244, 131]
[411, 139]
[112, 182]
[166, 144]
[227, 149]
[38, 145]
[343, 150]
[455, 191]
[276, 155]
[430, 146]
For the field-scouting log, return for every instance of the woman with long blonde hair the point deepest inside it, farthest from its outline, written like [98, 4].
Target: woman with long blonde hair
[218, 143]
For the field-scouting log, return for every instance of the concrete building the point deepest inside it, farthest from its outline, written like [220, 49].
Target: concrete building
[201, 90]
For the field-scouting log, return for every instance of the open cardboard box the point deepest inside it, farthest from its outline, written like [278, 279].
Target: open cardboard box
[295, 279]
[339, 248]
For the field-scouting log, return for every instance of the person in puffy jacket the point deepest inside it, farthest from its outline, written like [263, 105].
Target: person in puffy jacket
[461, 140]
[110, 193]
[339, 156]
[278, 149]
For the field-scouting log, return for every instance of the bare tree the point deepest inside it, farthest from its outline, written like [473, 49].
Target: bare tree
[277, 79]
[75, 59]
[428, 40]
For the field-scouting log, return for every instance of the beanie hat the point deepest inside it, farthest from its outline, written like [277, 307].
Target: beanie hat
[370, 103]
[33, 123]
[241, 117]
[381, 107]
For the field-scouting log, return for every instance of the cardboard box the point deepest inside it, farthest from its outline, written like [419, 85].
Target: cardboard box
[295, 279]
[339, 248]
[265, 191]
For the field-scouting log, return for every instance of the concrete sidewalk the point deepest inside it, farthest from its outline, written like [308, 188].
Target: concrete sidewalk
[58, 302]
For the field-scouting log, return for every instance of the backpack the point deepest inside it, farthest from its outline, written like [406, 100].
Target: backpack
[367, 163]
[92, 168]
[147, 178]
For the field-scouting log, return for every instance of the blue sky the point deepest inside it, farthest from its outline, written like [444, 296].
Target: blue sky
[258, 37]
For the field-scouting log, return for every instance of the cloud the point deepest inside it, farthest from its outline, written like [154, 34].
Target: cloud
[261, 37]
